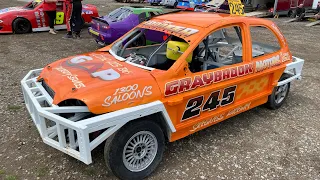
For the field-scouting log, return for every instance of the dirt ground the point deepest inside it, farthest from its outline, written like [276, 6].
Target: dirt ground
[258, 144]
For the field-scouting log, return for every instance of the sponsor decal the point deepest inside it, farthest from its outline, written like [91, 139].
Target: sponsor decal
[37, 15]
[285, 57]
[2, 11]
[112, 63]
[205, 123]
[238, 109]
[268, 63]
[279, 33]
[83, 63]
[42, 18]
[206, 79]
[73, 77]
[168, 26]
[84, 11]
[128, 93]
[220, 117]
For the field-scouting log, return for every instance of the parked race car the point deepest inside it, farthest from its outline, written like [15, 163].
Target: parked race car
[32, 18]
[189, 5]
[220, 6]
[154, 2]
[107, 29]
[208, 68]
[169, 3]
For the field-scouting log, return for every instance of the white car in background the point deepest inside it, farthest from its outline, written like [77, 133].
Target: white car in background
[169, 3]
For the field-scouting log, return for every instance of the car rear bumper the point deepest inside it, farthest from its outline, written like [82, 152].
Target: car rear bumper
[106, 38]
[294, 69]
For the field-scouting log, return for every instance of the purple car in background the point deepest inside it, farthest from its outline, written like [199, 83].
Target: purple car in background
[107, 29]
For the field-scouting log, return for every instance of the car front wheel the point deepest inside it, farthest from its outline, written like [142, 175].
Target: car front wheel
[135, 150]
[21, 26]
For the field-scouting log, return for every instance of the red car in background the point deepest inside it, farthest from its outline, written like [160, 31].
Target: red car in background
[32, 18]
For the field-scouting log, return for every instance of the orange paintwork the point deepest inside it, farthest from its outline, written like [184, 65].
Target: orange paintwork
[252, 89]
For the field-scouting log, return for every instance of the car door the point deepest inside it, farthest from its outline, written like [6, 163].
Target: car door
[218, 86]
[268, 53]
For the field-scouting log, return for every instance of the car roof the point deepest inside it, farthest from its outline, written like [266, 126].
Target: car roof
[138, 10]
[200, 19]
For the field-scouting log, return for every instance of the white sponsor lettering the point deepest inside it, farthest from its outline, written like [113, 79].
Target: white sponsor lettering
[220, 117]
[207, 122]
[107, 75]
[279, 33]
[268, 63]
[130, 92]
[285, 57]
[239, 109]
[74, 79]
[112, 63]
[80, 59]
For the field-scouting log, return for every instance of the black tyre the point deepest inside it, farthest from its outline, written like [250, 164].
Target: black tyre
[21, 26]
[135, 150]
[279, 95]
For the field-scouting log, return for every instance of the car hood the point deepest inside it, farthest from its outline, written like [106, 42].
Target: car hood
[6, 11]
[103, 83]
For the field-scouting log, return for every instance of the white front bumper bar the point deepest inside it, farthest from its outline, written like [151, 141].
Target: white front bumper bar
[294, 69]
[71, 135]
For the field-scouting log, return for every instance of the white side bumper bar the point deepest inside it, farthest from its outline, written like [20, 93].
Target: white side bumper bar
[71, 135]
[294, 69]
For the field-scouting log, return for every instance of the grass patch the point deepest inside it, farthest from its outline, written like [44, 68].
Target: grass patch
[14, 107]
[42, 172]
[2, 171]
[11, 177]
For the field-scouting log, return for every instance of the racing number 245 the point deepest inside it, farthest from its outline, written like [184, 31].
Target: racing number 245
[193, 107]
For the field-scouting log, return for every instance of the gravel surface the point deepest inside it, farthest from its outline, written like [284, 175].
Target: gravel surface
[258, 144]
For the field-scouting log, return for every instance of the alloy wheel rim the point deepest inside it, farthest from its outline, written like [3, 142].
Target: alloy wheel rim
[281, 93]
[140, 151]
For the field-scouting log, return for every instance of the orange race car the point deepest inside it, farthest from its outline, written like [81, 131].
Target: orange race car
[208, 68]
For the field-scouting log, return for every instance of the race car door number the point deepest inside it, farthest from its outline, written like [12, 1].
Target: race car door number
[193, 107]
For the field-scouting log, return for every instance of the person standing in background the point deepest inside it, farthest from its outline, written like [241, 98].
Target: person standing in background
[300, 12]
[49, 7]
[76, 19]
[68, 18]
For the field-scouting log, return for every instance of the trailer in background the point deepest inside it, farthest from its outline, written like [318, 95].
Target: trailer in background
[277, 7]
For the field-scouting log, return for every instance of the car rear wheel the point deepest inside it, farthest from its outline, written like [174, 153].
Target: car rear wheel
[135, 150]
[279, 95]
[21, 26]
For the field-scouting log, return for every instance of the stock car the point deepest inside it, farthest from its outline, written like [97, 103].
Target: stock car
[213, 6]
[189, 5]
[32, 18]
[154, 2]
[209, 68]
[107, 29]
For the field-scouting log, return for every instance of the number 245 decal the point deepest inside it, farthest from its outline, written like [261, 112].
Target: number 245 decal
[193, 108]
